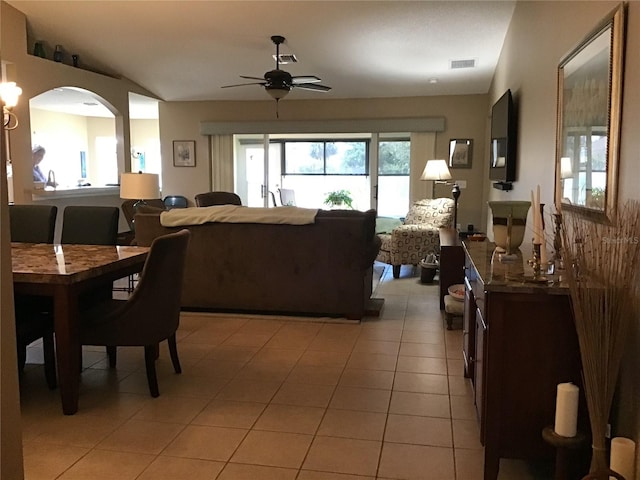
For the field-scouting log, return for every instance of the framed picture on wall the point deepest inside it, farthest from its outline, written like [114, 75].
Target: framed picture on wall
[460, 151]
[184, 153]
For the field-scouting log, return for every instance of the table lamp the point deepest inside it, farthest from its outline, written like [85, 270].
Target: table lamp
[438, 172]
[139, 186]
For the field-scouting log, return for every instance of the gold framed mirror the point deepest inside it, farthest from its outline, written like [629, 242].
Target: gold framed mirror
[588, 124]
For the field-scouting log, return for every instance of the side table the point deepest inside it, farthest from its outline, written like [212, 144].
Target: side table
[563, 446]
[451, 261]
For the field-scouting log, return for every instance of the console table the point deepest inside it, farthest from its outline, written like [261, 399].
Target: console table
[519, 343]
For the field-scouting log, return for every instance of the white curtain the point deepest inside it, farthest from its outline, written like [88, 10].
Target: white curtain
[423, 148]
[221, 169]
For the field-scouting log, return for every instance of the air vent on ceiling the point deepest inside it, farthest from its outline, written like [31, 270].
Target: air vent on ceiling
[285, 58]
[456, 64]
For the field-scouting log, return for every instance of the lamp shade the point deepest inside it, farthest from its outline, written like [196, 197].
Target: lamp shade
[139, 186]
[9, 92]
[436, 170]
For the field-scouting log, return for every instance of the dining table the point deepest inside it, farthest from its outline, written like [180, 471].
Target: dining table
[64, 273]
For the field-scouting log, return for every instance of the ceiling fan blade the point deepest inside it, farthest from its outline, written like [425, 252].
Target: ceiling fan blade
[251, 78]
[313, 86]
[243, 84]
[298, 79]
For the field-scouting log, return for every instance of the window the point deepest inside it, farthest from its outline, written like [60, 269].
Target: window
[325, 157]
[393, 176]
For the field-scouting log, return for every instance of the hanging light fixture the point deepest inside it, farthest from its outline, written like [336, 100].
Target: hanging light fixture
[9, 93]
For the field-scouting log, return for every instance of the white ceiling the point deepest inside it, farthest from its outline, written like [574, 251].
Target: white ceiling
[187, 50]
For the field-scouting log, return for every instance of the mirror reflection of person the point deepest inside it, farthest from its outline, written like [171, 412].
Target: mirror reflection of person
[38, 154]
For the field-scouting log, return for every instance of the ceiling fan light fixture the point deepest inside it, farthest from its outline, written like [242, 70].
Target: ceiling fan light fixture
[277, 91]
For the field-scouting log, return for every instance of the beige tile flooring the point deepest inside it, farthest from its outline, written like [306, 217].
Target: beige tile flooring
[273, 398]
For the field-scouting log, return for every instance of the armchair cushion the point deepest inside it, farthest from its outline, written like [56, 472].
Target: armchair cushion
[409, 243]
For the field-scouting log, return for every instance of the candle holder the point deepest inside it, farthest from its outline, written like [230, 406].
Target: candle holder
[536, 265]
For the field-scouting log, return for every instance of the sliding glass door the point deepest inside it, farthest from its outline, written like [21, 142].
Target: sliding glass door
[374, 171]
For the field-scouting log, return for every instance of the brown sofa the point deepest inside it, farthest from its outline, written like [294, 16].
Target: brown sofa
[324, 268]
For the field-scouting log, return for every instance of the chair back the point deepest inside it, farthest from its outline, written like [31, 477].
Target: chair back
[287, 197]
[217, 198]
[154, 305]
[175, 201]
[129, 212]
[32, 223]
[90, 225]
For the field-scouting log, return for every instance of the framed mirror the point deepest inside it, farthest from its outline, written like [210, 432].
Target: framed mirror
[588, 127]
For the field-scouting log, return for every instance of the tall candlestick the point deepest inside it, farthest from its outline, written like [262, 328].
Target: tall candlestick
[623, 452]
[567, 410]
[536, 236]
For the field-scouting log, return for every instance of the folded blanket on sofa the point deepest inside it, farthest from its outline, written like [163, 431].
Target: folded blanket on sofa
[237, 214]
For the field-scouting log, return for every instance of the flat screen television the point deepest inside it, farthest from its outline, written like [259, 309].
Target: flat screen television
[503, 140]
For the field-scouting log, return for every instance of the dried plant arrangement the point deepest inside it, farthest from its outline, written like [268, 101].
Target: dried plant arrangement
[603, 275]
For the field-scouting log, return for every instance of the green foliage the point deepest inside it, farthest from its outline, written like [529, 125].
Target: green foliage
[393, 157]
[339, 198]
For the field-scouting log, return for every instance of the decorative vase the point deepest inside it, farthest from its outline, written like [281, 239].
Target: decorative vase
[57, 53]
[509, 223]
[38, 50]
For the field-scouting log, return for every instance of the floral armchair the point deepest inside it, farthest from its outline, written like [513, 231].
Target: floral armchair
[418, 236]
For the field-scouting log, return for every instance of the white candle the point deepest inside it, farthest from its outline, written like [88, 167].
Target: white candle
[567, 410]
[534, 218]
[539, 217]
[623, 451]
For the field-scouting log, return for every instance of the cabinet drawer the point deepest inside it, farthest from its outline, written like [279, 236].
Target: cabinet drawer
[474, 283]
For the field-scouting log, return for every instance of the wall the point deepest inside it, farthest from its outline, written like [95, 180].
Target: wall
[465, 118]
[538, 37]
[37, 75]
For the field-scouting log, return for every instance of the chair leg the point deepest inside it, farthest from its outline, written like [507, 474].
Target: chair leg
[150, 353]
[49, 353]
[173, 351]
[112, 353]
[396, 271]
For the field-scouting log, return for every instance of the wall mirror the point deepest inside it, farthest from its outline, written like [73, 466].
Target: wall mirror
[588, 128]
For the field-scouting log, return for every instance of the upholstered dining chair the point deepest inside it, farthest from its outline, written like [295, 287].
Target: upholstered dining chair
[129, 212]
[34, 224]
[152, 312]
[89, 225]
[175, 201]
[209, 199]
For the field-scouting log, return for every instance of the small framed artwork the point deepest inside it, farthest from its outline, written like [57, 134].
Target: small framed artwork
[184, 153]
[460, 152]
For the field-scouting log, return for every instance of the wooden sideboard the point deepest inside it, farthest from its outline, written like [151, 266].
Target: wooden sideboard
[519, 343]
[451, 261]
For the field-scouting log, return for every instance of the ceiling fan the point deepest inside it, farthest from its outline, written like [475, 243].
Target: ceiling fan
[278, 83]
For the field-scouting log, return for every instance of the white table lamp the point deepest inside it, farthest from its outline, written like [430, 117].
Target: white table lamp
[139, 186]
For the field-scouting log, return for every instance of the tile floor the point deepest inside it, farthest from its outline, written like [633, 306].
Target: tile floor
[273, 398]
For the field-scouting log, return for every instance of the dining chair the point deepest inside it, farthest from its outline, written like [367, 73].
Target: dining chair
[209, 199]
[175, 201]
[90, 225]
[34, 224]
[129, 212]
[287, 197]
[152, 312]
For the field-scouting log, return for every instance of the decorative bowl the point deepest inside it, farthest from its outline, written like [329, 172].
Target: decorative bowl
[457, 291]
